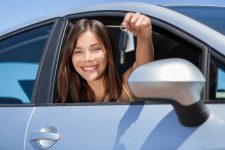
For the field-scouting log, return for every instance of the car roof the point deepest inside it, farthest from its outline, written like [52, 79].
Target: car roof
[14, 13]
[183, 22]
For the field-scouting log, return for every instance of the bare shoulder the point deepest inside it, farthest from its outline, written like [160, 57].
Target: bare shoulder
[126, 94]
[123, 97]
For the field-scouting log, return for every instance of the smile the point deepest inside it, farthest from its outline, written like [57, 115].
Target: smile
[90, 68]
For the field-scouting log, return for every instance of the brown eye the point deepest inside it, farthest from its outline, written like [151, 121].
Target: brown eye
[77, 52]
[96, 49]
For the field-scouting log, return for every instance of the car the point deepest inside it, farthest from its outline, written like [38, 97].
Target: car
[181, 94]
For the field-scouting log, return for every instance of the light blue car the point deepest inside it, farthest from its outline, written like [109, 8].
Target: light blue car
[181, 95]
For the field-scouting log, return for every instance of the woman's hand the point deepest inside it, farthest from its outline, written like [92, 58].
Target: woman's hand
[138, 24]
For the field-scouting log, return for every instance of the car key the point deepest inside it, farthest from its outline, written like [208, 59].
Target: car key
[130, 43]
[123, 44]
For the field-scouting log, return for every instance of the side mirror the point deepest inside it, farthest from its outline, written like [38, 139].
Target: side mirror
[176, 81]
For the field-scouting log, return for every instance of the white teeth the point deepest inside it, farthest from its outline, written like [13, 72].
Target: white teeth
[89, 68]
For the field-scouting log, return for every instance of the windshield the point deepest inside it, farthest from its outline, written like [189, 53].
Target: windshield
[209, 15]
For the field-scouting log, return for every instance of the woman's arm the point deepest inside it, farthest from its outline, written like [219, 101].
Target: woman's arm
[140, 26]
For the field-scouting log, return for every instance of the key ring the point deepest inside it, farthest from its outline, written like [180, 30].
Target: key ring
[122, 28]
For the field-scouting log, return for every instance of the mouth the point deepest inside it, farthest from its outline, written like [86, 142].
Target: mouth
[91, 68]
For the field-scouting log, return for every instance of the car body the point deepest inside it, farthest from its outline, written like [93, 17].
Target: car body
[32, 119]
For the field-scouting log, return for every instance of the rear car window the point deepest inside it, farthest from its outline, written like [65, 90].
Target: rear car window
[20, 57]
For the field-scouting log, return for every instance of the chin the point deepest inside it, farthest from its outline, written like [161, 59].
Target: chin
[90, 79]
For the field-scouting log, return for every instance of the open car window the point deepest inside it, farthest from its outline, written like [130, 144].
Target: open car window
[168, 42]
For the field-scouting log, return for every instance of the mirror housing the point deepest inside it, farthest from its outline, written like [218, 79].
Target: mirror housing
[176, 81]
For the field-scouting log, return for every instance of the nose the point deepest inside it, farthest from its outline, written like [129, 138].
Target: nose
[88, 56]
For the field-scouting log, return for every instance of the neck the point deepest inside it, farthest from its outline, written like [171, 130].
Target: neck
[98, 87]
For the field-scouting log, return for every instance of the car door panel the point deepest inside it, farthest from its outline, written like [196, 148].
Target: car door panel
[210, 134]
[101, 126]
[153, 126]
[14, 122]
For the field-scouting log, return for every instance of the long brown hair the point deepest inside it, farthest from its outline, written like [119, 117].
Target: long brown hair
[71, 86]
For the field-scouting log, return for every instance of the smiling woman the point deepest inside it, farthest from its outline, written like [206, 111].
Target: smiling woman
[88, 73]
[84, 62]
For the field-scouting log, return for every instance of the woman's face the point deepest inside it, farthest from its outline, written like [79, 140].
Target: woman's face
[89, 57]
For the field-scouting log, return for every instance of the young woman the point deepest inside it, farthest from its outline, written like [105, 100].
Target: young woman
[87, 72]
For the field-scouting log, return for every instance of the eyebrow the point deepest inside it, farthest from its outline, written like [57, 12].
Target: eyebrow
[90, 46]
[95, 44]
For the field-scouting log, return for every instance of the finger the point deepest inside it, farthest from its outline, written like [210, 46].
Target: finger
[134, 19]
[145, 24]
[126, 20]
[146, 21]
[139, 23]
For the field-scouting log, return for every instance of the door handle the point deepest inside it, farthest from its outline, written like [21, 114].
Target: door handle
[46, 137]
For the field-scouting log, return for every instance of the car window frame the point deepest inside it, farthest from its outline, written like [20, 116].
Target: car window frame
[176, 31]
[213, 54]
[43, 89]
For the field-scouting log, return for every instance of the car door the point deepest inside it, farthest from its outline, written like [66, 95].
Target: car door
[20, 56]
[136, 125]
